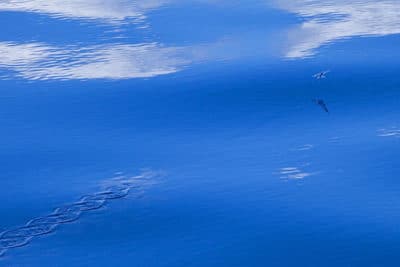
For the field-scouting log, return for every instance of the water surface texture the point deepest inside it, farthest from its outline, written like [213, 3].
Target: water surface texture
[199, 133]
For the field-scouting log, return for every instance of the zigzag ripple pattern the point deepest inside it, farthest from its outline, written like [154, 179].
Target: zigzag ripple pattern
[117, 188]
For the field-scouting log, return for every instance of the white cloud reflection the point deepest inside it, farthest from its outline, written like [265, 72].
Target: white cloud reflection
[111, 10]
[327, 21]
[37, 61]
[40, 61]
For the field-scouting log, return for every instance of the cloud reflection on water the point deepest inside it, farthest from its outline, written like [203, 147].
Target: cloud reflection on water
[326, 21]
[42, 61]
[37, 61]
[110, 10]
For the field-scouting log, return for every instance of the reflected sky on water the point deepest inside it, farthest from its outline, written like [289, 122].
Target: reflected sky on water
[297, 30]
[265, 161]
[115, 56]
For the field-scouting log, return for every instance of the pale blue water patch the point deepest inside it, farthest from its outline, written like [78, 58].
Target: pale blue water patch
[219, 98]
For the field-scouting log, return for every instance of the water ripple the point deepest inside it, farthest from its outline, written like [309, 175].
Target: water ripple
[116, 188]
[293, 173]
[393, 132]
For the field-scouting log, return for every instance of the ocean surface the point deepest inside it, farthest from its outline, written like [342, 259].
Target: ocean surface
[199, 133]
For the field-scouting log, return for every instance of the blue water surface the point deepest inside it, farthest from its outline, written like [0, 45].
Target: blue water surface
[218, 100]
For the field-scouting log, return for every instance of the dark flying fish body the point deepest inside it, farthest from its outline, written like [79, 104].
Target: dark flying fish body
[322, 104]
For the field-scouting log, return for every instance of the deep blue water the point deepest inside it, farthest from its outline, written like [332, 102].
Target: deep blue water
[214, 100]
